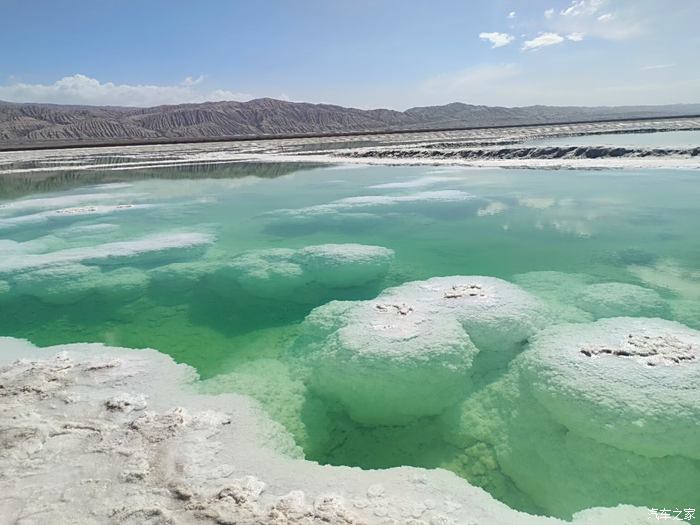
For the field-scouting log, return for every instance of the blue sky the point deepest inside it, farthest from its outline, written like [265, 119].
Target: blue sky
[363, 53]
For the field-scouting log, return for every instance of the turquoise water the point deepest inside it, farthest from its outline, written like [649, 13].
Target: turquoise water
[180, 261]
[664, 139]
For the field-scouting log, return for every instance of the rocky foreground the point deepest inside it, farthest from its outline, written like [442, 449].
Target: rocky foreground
[91, 434]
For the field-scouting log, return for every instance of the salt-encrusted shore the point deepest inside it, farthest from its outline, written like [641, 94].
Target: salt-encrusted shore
[515, 147]
[91, 434]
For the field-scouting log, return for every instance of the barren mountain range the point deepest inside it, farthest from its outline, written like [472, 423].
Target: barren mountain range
[48, 124]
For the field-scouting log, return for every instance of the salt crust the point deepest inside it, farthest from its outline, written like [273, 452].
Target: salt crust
[632, 383]
[118, 436]
[414, 345]
[365, 202]
[283, 273]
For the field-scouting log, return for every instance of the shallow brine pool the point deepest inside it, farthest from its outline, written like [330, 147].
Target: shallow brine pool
[495, 323]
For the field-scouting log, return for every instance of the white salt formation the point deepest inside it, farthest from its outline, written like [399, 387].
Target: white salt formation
[70, 283]
[621, 299]
[593, 413]
[299, 275]
[66, 215]
[131, 443]
[365, 203]
[68, 275]
[630, 383]
[578, 298]
[410, 352]
[150, 249]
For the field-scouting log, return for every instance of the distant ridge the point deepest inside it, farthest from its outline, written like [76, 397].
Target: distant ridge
[33, 124]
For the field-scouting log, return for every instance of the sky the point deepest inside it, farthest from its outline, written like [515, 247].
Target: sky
[361, 53]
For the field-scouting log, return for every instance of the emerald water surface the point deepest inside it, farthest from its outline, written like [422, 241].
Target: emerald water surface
[636, 227]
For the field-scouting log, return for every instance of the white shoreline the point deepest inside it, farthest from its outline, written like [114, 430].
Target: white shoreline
[113, 435]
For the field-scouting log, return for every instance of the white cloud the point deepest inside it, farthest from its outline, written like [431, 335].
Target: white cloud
[189, 81]
[511, 15]
[543, 40]
[497, 39]
[595, 19]
[575, 37]
[549, 13]
[656, 66]
[81, 89]
[582, 7]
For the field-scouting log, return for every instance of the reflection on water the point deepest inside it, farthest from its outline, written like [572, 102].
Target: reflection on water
[13, 185]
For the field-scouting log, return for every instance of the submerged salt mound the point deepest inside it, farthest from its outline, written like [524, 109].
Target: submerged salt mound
[632, 383]
[48, 204]
[282, 272]
[340, 265]
[146, 250]
[182, 277]
[558, 289]
[555, 466]
[150, 249]
[576, 297]
[621, 299]
[386, 363]
[371, 202]
[60, 284]
[410, 352]
[69, 283]
[66, 215]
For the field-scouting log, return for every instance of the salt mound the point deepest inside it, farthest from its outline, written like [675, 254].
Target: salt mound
[340, 265]
[153, 248]
[559, 290]
[367, 202]
[621, 299]
[145, 250]
[410, 352]
[182, 276]
[69, 283]
[122, 284]
[59, 202]
[576, 297]
[498, 315]
[285, 272]
[67, 215]
[631, 383]
[59, 284]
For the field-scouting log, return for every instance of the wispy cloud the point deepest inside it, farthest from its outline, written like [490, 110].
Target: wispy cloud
[193, 81]
[511, 15]
[575, 37]
[596, 19]
[81, 89]
[542, 40]
[497, 39]
[656, 66]
[582, 7]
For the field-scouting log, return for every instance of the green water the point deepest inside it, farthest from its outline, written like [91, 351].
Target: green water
[633, 226]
